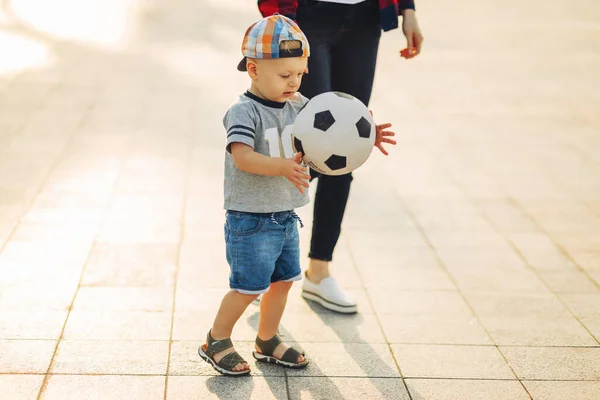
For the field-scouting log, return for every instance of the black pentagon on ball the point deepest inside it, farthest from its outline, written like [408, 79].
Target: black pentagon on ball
[298, 146]
[364, 128]
[324, 120]
[336, 162]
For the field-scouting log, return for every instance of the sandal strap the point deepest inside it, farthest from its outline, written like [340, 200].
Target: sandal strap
[231, 360]
[291, 355]
[215, 346]
[267, 347]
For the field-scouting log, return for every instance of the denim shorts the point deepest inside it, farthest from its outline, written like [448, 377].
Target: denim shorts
[261, 249]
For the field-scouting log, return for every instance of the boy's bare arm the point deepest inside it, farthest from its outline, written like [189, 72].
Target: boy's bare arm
[247, 160]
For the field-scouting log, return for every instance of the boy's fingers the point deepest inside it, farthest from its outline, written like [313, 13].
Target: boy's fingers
[384, 126]
[303, 177]
[380, 147]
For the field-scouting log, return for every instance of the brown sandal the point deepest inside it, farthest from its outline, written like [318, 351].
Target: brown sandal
[226, 364]
[289, 358]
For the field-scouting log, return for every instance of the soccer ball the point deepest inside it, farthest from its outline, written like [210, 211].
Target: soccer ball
[335, 133]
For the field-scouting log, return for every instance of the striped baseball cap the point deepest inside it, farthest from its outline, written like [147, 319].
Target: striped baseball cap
[263, 39]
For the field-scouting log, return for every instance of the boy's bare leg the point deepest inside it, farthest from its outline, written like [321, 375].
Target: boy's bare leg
[232, 307]
[317, 270]
[272, 306]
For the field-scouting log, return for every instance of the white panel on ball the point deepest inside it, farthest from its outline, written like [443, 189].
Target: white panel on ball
[335, 133]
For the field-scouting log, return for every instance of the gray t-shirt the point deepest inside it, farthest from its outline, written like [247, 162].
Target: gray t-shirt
[266, 126]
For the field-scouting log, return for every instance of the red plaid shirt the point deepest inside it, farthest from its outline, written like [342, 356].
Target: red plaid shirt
[389, 10]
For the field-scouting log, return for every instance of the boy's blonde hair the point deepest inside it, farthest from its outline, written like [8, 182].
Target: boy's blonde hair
[289, 45]
[273, 37]
[286, 46]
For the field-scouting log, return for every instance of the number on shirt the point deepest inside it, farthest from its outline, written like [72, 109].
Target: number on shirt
[280, 145]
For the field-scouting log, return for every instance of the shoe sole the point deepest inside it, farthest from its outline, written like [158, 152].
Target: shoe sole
[276, 361]
[329, 305]
[223, 371]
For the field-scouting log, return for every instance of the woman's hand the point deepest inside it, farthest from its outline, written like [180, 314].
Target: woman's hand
[414, 38]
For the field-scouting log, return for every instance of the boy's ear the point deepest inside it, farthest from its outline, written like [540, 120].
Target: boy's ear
[252, 68]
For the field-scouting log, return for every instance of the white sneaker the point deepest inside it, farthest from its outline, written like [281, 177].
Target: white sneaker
[328, 294]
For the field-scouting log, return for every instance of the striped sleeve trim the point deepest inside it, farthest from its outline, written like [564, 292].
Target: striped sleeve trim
[243, 127]
[234, 133]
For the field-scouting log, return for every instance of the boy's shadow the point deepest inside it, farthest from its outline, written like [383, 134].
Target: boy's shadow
[225, 387]
[326, 388]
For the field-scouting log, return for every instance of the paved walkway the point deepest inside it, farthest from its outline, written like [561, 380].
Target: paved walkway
[474, 249]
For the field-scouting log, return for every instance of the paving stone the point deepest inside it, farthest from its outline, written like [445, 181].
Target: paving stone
[125, 298]
[444, 361]
[499, 280]
[31, 324]
[106, 357]
[118, 325]
[537, 331]
[554, 363]
[433, 329]
[332, 327]
[408, 278]
[457, 389]
[477, 257]
[571, 281]
[588, 260]
[26, 356]
[348, 360]
[517, 305]
[418, 302]
[38, 295]
[221, 387]
[131, 265]
[98, 387]
[21, 387]
[417, 257]
[334, 388]
[556, 390]
[584, 305]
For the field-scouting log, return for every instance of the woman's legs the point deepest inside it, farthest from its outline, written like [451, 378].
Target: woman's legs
[344, 40]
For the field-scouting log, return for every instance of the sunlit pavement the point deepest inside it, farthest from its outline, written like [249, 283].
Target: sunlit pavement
[473, 249]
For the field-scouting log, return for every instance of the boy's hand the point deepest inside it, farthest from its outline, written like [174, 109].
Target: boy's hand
[411, 30]
[382, 136]
[294, 172]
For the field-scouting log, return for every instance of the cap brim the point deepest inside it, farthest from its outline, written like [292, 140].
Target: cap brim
[242, 65]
